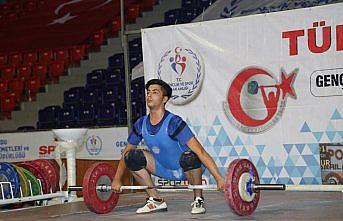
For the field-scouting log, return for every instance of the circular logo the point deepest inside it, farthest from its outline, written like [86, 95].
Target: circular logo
[155, 149]
[183, 69]
[256, 100]
[94, 145]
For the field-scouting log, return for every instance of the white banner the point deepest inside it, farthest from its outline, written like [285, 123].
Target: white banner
[233, 8]
[264, 87]
[100, 144]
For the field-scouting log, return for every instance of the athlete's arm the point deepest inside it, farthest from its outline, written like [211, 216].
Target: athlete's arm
[207, 160]
[117, 183]
[133, 140]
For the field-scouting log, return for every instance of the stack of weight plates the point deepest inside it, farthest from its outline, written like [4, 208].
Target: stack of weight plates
[28, 178]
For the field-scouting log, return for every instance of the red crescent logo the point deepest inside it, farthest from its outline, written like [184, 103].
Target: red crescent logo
[234, 96]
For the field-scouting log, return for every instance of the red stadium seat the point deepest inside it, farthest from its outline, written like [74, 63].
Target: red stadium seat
[3, 86]
[7, 104]
[29, 58]
[98, 39]
[14, 58]
[24, 70]
[133, 11]
[32, 86]
[77, 53]
[17, 86]
[3, 59]
[40, 70]
[56, 69]
[45, 56]
[114, 26]
[61, 54]
[8, 72]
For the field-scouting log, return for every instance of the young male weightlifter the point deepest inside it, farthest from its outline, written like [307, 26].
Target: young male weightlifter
[173, 152]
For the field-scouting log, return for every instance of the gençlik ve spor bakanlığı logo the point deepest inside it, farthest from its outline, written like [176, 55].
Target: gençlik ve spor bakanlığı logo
[94, 145]
[256, 99]
[183, 69]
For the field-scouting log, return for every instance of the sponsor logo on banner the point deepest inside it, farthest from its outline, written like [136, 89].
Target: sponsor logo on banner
[331, 163]
[9, 151]
[164, 182]
[120, 144]
[183, 69]
[46, 151]
[94, 145]
[301, 36]
[256, 99]
[325, 83]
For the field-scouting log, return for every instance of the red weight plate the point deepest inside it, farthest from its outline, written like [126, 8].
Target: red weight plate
[235, 201]
[99, 201]
[49, 171]
[38, 173]
[57, 169]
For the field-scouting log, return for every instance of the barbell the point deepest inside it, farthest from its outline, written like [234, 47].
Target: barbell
[242, 187]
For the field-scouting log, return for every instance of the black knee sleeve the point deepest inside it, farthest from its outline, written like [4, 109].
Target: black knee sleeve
[135, 160]
[189, 161]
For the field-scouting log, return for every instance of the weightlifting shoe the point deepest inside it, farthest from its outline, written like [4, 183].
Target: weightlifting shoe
[198, 206]
[153, 205]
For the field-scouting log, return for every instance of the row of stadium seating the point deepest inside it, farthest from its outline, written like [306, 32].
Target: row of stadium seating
[24, 73]
[89, 105]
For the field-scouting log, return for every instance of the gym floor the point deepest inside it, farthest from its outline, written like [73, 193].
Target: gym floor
[273, 205]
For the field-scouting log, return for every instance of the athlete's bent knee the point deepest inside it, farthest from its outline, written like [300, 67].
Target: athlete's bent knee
[189, 161]
[135, 160]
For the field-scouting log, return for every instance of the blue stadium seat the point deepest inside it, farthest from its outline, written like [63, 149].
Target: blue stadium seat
[171, 17]
[114, 76]
[91, 95]
[86, 116]
[138, 89]
[112, 93]
[116, 61]
[67, 118]
[74, 95]
[72, 106]
[188, 14]
[47, 117]
[135, 45]
[189, 3]
[106, 115]
[204, 3]
[95, 78]
[135, 58]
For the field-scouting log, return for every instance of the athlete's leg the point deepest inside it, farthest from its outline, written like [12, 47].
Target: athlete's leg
[141, 163]
[191, 166]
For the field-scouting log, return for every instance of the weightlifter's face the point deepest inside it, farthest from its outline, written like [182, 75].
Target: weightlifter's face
[155, 97]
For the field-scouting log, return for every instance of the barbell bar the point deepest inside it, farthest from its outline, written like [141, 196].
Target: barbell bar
[242, 187]
[106, 188]
[254, 188]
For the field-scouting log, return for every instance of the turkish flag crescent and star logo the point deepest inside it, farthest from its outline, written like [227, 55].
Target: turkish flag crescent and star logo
[58, 23]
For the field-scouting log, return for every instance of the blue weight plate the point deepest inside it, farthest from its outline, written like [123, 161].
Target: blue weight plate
[9, 174]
